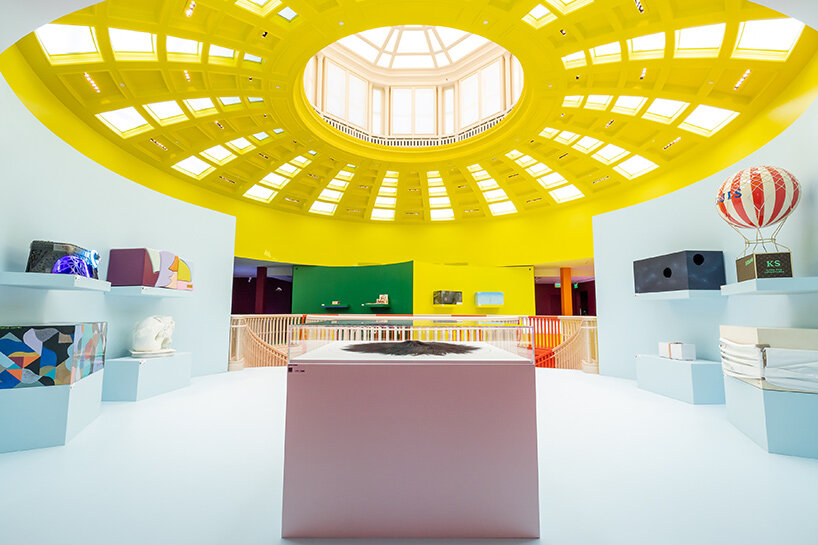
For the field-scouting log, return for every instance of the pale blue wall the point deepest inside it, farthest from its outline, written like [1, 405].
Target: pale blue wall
[50, 191]
[687, 220]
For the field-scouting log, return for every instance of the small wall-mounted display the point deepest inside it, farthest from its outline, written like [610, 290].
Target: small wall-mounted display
[686, 270]
[488, 298]
[45, 256]
[442, 297]
[148, 267]
[49, 355]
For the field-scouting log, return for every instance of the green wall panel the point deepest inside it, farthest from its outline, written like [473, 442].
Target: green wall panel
[352, 286]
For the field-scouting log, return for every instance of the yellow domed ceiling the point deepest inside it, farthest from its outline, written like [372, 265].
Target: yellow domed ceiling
[616, 93]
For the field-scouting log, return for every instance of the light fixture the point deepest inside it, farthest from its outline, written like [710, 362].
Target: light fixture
[381, 214]
[191, 6]
[441, 214]
[91, 82]
[742, 79]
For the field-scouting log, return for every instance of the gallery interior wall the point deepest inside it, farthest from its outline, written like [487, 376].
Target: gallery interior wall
[278, 296]
[516, 283]
[687, 220]
[50, 191]
[353, 286]
[548, 300]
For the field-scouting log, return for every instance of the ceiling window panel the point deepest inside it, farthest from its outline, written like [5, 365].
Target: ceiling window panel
[651, 46]
[702, 41]
[67, 39]
[769, 39]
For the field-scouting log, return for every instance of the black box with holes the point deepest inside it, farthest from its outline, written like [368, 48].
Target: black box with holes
[686, 270]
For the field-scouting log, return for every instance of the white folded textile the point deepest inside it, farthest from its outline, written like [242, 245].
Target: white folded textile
[787, 369]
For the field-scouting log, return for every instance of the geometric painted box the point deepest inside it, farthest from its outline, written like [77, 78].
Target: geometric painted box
[148, 267]
[50, 355]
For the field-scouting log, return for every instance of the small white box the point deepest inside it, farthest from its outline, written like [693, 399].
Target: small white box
[683, 351]
[664, 349]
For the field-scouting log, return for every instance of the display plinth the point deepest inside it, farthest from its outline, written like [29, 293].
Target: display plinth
[699, 382]
[773, 286]
[48, 416]
[780, 422]
[678, 294]
[47, 281]
[145, 291]
[410, 446]
[134, 379]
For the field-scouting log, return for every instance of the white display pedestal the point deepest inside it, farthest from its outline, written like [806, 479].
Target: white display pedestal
[133, 379]
[697, 382]
[48, 416]
[410, 447]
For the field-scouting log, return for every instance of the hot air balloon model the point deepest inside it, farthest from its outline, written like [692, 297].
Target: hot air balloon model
[758, 198]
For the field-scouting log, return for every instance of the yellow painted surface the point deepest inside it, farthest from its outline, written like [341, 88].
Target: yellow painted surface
[516, 283]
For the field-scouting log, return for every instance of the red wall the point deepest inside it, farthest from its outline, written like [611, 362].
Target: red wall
[275, 302]
[548, 299]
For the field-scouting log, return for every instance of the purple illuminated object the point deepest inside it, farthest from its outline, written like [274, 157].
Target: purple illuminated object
[71, 264]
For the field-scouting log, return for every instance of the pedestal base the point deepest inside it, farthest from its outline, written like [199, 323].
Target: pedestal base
[133, 379]
[780, 422]
[48, 416]
[697, 382]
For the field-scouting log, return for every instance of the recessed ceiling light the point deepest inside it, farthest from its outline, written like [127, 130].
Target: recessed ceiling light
[275, 180]
[549, 132]
[551, 180]
[587, 144]
[741, 80]
[537, 169]
[598, 102]
[385, 202]
[331, 195]
[495, 195]
[566, 137]
[566, 193]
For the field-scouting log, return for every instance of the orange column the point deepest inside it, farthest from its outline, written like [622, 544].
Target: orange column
[566, 291]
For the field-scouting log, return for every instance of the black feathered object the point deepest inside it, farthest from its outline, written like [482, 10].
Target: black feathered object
[411, 348]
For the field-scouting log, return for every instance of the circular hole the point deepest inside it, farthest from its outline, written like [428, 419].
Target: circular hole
[698, 259]
[667, 272]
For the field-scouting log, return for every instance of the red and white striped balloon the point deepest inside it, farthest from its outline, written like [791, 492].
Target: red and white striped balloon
[757, 197]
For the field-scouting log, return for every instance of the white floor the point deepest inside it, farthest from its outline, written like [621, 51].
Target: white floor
[203, 466]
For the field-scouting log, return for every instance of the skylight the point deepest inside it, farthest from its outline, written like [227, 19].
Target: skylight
[701, 41]
[566, 193]
[166, 112]
[125, 122]
[218, 154]
[610, 154]
[385, 202]
[67, 39]
[651, 46]
[539, 16]
[598, 102]
[611, 52]
[288, 170]
[586, 144]
[331, 195]
[288, 13]
[707, 120]
[549, 132]
[575, 60]
[441, 214]
[439, 202]
[261, 135]
[195, 167]
[198, 105]
[324, 208]
[381, 214]
[551, 180]
[131, 41]
[502, 208]
[252, 58]
[275, 180]
[628, 105]
[495, 195]
[768, 39]
[240, 144]
[260, 7]
[182, 46]
[572, 101]
[219, 51]
[567, 6]
[635, 166]
[525, 160]
[537, 169]
[485, 185]
[664, 110]
[260, 193]
[228, 101]
[566, 137]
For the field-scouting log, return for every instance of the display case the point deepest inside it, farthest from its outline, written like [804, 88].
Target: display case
[382, 415]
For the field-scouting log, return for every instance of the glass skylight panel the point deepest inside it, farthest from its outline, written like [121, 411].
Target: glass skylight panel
[525, 161]
[485, 185]
[200, 104]
[413, 41]
[255, 99]
[768, 39]
[567, 6]
[575, 60]
[701, 41]
[278, 131]
[288, 13]
[381, 214]
[552, 180]
[467, 46]
[610, 154]
[635, 166]
[413, 61]
[125, 120]
[166, 112]
[707, 120]
[611, 52]
[331, 195]
[229, 101]
[300, 161]
[376, 35]
[501, 208]
[628, 105]
[241, 144]
[260, 193]
[664, 110]
[261, 7]
[437, 191]
[195, 167]
[495, 195]
[218, 154]
[439, 202]
[261, 135]
[344, 175]
[651, 46]
[385, 202]
[223, 52]
[182, 46]
[598, 102]
[537, 169]
[441, 214]
[566, 137]
[67, 39]
[513, 154]
[449, 35]
[586, 144]
[474, 168]
[275, 180]
[566, 193]
[252, 58]
[359, 47]
[340, 185]
[131, 41]
[480, 175]
[325, 208]
[572, 101]
[288, 170]
[548, 132]
[388, 191]
[539, 16]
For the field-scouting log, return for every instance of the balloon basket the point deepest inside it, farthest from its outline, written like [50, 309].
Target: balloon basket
[765, 265]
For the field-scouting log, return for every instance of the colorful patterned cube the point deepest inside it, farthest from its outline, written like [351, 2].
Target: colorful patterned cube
[49, 355]
[147, 267]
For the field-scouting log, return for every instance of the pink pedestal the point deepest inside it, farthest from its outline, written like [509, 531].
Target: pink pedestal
[384, 446]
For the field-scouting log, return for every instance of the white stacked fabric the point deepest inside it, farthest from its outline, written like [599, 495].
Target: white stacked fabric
[788, 369]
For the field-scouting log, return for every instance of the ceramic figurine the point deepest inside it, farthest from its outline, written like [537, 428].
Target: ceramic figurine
[152, 336]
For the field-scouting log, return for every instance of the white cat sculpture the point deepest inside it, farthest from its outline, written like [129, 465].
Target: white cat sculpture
[152, 336]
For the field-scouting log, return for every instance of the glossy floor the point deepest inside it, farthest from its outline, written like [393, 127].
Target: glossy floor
[203, 466]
